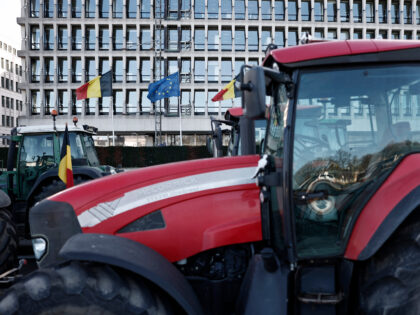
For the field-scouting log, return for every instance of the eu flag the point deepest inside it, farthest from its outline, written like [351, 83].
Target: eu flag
[166, 87]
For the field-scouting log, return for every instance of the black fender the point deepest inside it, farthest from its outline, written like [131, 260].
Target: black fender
[87, 171]
[395, 218]
[134, 257]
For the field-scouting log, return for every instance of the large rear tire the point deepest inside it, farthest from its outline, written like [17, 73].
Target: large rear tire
[8, 240]
[390, 281]
[82, 288]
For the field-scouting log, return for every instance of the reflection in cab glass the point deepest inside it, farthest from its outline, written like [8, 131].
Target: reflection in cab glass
[352, 127]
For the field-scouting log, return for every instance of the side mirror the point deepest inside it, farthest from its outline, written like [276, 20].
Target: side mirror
[253, 87]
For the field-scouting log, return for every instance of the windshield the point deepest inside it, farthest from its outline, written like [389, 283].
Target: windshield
[81, 155]
[37, 150]
[352, 126]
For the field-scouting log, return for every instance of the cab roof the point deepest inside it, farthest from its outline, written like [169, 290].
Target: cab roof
[49, 129]
[344, 52]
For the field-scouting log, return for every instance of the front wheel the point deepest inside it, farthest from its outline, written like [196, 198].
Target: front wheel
[83, 288]
[390, 281]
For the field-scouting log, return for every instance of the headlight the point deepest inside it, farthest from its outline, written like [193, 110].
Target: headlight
[39, 245]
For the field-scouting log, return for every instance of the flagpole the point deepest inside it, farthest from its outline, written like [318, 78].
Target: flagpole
[112, 121]
[180, 121]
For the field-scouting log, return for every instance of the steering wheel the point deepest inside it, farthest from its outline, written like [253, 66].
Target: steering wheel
[45, 160]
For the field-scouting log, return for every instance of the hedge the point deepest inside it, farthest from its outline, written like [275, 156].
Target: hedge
[140, 156]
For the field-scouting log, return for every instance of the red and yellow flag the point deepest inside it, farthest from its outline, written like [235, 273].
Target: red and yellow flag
[65, 170]
[226, 93]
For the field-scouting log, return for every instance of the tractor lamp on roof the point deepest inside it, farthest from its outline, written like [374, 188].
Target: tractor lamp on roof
[75, 121]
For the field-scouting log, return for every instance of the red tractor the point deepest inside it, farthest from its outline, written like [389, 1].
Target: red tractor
[331, 227]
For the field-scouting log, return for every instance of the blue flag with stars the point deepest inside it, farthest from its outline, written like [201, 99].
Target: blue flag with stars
[166, 87]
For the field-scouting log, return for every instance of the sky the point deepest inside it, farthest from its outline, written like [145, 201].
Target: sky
[9, 29]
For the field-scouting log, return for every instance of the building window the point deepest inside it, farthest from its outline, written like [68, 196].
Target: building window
[199, 9]
[306, 11]
[35, 70]
[76, 8]
[35, 37]
[131, 38]
[159, 69]
[145, 70]
[357, 12]
[159, 8]
[212, 107]
[226, 38]
[104, 105]
[226, 70]
[173, 39]
[117, 68]
[173, 10]
[407, 13]
[145, 104]
[145, 38]
[382, 12]
[76, 68]
[239, 39]
[90, 8]
[3, 100]
[7, 102]
[186, 102]
[118, 39]
[90, 67]
[226, 9]
[172, 66]
[213, 39]
[76, 105]
[49, 101]
[103, 38]
[117, 9]
[90, 106]
[240, 9]
[48, 38]
[266, 9]
[131, 70]
[62, 7]
[252, 10]
[319, 11]
[62, 70]
[90, 38]
[407, 35]
[199, 70]
[357, 34]
[199, 102]
[48, 8]
[332, 34]
[395, 13]
[199, 39]
[418, 14]
[344, 11]
[131, 102]
[265, 38]
[185, 39]
[253, 39]
[383, 34]
[103, 65]
[76, 38]
[292, 39]
[370, 12]
[104, 9]
[279, 37]
[63, 102]
[145, 9]
[49, 70]
[213, 70]
[131, 9]
[62, 38]
[186, 9]
[370, 34]
[185, 70]
[159, 38]
[332, 11]
[34, 8]
[118, 102]
[344, 34]
[213, 9]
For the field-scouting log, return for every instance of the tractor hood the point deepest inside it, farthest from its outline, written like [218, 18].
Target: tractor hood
[203, 203]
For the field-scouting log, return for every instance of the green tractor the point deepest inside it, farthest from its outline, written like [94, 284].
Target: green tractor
[32, 175]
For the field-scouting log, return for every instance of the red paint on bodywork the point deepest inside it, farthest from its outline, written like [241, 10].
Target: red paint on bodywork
[401, 182]
[338, 48]
[194, 222]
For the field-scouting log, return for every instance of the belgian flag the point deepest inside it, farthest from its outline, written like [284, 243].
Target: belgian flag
[65, 170]
[228, 92]
[98, 87]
